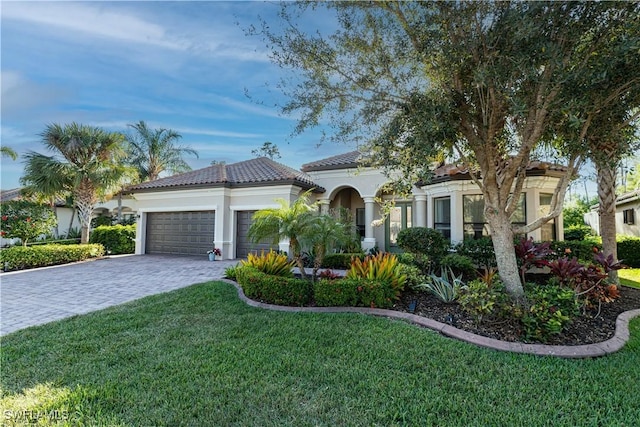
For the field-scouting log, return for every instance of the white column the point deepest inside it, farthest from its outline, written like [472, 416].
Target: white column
[457, 221]
[324, 206]
[420, 218]
[369, 241]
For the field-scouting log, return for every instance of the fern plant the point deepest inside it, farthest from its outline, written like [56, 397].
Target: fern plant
[270, 263]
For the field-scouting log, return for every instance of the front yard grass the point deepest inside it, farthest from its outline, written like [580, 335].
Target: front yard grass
[630, 277]
[199, 356]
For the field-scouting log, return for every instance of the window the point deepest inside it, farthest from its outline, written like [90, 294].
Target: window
[442, 216]
[474, 222]
[628, 216]
[547, 230]
[399, 219]
[360, 221]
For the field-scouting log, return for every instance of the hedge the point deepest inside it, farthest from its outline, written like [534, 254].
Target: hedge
[358, 292]
[340, 261]
[21, 258]
[273, 289]
[116, 239]
[629, 251]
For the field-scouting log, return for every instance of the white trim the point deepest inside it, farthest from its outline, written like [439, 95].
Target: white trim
[181, 209]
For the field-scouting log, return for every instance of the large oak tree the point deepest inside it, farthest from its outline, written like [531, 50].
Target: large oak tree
[477, 79]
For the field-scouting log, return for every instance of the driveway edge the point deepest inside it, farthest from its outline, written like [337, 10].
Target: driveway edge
[613, 344]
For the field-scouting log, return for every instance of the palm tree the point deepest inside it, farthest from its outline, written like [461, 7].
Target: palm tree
[289, 221]
[152, 151]
[9, 152]
[87, 163]
[323, 234]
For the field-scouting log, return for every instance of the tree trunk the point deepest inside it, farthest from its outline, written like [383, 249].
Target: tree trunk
[85, 209]
[607, 212]
[502, 237]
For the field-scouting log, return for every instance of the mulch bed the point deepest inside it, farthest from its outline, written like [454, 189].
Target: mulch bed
[589, 328]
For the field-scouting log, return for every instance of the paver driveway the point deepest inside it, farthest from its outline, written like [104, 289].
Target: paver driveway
[34, 297]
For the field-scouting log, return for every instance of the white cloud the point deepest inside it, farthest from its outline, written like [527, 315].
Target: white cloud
[214, 132]
[91, 20]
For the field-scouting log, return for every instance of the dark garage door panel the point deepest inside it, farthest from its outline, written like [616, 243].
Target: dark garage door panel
[187, 233]
[243, 244]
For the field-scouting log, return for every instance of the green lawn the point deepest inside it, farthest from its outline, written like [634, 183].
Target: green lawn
[630, 277]
[199, 356]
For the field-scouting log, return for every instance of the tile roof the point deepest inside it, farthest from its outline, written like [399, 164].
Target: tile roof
[450, 172]
[13, 194]
[260, 171]
[352, 159]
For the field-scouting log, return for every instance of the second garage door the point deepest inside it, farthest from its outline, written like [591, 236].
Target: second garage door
[185, 233]
[244, 245]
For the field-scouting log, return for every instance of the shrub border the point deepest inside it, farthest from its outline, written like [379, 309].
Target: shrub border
[613, 344]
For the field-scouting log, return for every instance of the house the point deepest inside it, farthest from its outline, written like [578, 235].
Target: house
[191, 212]
[627, 215]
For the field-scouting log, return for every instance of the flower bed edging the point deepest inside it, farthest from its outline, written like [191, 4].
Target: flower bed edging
[613, 344]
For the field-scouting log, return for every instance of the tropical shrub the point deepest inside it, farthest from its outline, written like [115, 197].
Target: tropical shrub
[279, 290]
[328, 274]
[25, 220]
[629, 251]
[231, 272]
[530, 254]
[581, 249]
[21, 258]
[481, 299]
[116, 239]
[271, 263]
[426, 241]
[459, 264]
[415, 278]
[444, 287]
[383, 267]
[479, 250]
[551, 309]
[421, 261]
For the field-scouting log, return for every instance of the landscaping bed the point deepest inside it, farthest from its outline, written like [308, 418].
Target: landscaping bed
[588, 328]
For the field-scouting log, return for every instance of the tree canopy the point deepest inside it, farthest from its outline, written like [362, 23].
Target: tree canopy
[479, 81]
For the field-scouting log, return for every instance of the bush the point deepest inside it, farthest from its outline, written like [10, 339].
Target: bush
[459, 264]
[445, 287]
[271, 263]
[581, 249]
[383, 267]
[21, 258]
[481, 299]
[25, 220]
[552, 308]
[354, 292]
[426, 241]
[273, 289]
[629, 251]
[116, 239]
[577, 232]
[340, 261]
[480, 251]
[415, 278]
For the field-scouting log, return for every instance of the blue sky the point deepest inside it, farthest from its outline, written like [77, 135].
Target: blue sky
[178, 65]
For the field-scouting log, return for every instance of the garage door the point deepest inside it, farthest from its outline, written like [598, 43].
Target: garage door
[244, 245]
[186, 233]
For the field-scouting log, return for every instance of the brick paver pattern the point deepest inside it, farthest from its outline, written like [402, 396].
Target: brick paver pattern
[35, 297]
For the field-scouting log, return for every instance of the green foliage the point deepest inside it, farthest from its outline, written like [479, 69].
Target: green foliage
[101, 220]
[459, 264]
[581, 249]
[629, 250]
[354, 292]
[271, 263]
[577, 232]
[25, 220]
[424, 241]
[272, 289]
[551, 309]
[414, 276]
[573, 214]
[116, 239]
[383, 267]
[21, 258]
[481, 299]
[231, 272]
[341, 261]
[444, 287]
[480, 251]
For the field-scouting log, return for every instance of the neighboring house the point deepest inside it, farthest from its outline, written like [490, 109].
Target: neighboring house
[191, 212]
[627, 215]
[68, 217]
